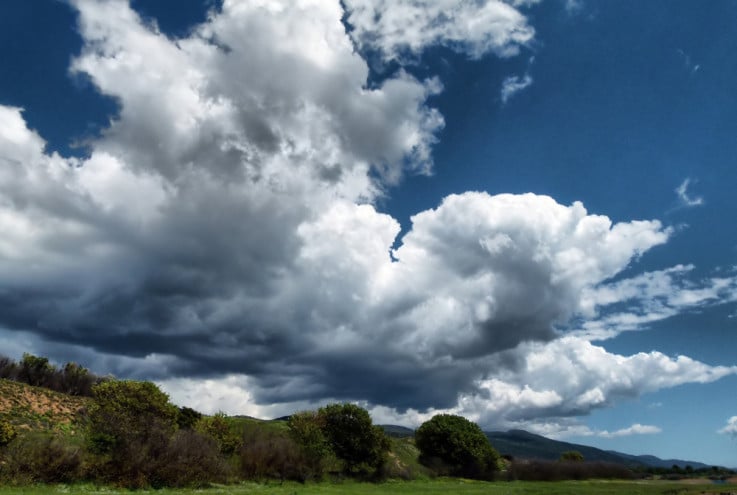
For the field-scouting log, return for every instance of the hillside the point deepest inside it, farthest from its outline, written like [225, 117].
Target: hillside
[525, 445]
[38, 408]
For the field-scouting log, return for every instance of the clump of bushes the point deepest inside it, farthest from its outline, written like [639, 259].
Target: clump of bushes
[41, 458]
[342, 435]
[133, 432]
[190, 459]
[268, 454]
[217, 427]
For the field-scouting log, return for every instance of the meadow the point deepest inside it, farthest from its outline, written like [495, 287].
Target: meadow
[443, 486]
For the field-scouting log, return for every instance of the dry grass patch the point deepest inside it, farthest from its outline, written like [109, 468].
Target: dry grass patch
[37, 408]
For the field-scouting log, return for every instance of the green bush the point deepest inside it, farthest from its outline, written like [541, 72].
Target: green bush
[306, 429]
[190, 460]
[217, 427]
[269, 454]
[187, 418]
[453, 445]
[41, 458]
[130, 426]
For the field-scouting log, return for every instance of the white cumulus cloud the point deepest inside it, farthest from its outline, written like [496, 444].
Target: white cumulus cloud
[475, 28]
[636, 429]
[222, 236]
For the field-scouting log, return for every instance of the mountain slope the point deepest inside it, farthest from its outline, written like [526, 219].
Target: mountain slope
[525, 445]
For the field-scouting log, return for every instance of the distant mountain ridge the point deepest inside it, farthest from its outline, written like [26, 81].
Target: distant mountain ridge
[526, 445]
[522, 444]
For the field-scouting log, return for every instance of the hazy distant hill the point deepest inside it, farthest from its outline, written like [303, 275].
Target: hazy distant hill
[521, 444]
[398, 431]
[526, 445]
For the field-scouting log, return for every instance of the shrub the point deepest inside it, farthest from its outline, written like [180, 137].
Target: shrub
[306, 429]
[36, 371]
[76, 380]
[35, 458]
[190, 460]
[218, 428]
[8, 368]
[187, 418]
[453, 445]
[268, 454]
[130, 426]
[7, 433]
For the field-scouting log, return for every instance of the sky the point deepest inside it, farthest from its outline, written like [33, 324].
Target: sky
[520, 211]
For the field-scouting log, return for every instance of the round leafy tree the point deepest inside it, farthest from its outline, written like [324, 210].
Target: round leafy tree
[353, 438]
[456, 446]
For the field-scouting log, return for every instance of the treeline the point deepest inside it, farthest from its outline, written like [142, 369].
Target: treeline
[70, 379]
[539, 470]
[676, 472]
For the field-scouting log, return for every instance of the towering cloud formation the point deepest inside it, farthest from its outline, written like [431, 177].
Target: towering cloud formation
[224, 225]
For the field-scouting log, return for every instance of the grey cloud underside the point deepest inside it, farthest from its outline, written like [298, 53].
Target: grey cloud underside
[223, 224]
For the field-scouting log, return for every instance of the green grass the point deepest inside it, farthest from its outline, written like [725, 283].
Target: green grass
[439, 487]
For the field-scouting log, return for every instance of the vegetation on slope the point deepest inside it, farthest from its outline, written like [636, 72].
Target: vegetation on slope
[129, 434]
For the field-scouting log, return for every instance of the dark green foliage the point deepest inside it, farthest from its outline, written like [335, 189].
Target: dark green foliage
[41, 458]
[130, 426]
[225, 434]
[76, 380]
[559, 471]
[35, 371]
[361, 446]
[270, 454]
[187, 418]
[453, 445]
[306, 429]
[571, 456]
[127, 411]
[8, 368]
[7, 433]
[190, 460]
[71, 379]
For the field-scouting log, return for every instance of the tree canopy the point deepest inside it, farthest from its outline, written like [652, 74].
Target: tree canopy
[456, 446]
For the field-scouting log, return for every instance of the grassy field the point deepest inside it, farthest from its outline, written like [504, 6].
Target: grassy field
[444, 487]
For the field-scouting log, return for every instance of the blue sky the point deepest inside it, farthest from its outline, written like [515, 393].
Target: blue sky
[519, 212]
